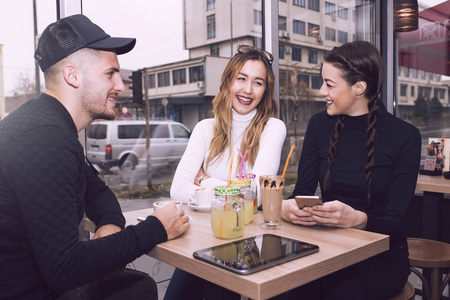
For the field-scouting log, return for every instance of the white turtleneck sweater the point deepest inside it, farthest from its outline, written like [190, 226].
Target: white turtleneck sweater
[267, 161]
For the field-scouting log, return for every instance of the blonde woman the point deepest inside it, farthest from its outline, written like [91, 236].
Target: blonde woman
[244, 113]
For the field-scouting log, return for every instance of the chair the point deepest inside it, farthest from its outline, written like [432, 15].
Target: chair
[433, 255]
[407, 293]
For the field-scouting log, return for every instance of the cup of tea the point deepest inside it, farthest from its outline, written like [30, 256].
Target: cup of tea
[160, 204]
[272, 187]
[203, 197]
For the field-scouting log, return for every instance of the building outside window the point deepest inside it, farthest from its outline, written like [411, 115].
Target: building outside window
[299, 27]
[296, 54]
[415, 73]
[330, 9]
[301, 3]
[211, 27]
[179, 76]
[151, 81]
[342, 36]
[330, 34]
[196, 74]
[215, 50]
[314, 5]
[425, 91]
[281, 51]
[164, 79]
[313, 30]
[210, 4]
[412, 91]
[303, 78]
[316, 82]
[423, 74]
[342, 12]
[282, 23]
[312, 57]
[440, 93]
[403, 88]
[257, 17]
[406, 72]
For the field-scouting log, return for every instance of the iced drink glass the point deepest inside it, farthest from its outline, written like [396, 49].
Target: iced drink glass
[272, 187]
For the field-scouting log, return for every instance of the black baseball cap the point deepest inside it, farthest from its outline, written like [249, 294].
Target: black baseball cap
[70, 34]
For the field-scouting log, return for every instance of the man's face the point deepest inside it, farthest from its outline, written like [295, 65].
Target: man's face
[101, 84]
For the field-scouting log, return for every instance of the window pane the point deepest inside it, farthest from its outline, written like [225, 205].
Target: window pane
[299, 27]
[317, 27]
[164, 79]
[211, 26]
[196, 74]
[179, 76]
[282, 23]
[423, 59]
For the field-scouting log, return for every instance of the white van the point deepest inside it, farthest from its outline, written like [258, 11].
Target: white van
[122, 143]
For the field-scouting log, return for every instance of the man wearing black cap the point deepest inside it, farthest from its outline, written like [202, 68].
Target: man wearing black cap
[46, 184]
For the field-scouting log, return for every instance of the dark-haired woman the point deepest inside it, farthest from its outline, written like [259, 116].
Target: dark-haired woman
[366, 162]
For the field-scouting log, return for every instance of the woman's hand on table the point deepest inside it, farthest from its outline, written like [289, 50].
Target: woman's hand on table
[291, 213]
[201, 175]
[337, 214]
[174, 220]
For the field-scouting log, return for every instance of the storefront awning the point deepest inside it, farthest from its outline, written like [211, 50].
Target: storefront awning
[428, 47]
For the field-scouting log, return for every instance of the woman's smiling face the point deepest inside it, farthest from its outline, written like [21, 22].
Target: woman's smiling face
[342, 99]
[249, 86]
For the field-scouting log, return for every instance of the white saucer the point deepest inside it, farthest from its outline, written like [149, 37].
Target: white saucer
[199, 208]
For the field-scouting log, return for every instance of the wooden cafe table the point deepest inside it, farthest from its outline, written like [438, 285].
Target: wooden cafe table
[339, 248]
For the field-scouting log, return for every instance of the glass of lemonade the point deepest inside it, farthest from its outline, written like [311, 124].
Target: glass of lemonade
[248, 194]
[272, 187]
[227, 212]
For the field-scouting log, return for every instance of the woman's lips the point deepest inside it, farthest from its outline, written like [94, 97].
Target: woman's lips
[244, 100]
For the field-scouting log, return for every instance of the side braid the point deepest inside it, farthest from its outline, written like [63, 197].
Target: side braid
[332, 151]
[370, 145]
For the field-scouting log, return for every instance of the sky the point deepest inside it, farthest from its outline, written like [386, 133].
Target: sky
[157, 25]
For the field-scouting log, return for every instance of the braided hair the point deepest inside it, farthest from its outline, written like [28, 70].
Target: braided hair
[358, 61]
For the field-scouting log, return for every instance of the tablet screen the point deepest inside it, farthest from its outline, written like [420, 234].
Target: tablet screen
[255, 253]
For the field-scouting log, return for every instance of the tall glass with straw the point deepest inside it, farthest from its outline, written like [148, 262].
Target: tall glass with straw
[272, 187]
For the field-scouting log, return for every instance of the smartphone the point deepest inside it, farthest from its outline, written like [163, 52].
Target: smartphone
[303, 201]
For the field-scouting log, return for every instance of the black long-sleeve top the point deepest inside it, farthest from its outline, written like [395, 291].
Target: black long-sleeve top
[394, 176]
[45, 187]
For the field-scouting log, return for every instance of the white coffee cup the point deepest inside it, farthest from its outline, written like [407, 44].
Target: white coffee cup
[160, 204]
[203, 196]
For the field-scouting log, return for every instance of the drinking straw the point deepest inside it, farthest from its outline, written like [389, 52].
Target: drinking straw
[242, 162]
[287, 161]
[229, 172]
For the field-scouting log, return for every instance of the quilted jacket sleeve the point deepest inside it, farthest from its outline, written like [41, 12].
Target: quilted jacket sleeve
[47, 171]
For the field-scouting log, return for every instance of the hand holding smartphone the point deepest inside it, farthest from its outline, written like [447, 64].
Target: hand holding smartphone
[303, 201]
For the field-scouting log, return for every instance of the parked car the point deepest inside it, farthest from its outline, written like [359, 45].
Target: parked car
[122, 143]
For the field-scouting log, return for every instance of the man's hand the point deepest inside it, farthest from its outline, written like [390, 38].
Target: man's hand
[174, 220]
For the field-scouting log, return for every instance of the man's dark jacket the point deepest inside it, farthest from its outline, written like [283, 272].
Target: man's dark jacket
[45, 187]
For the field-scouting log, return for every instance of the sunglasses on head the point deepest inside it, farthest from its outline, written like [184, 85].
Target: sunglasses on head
[246, 48]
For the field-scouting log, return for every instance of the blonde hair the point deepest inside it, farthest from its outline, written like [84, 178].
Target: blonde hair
[222, 105]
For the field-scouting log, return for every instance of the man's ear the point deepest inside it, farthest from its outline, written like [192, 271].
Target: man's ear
[360, 87]
[71, 75]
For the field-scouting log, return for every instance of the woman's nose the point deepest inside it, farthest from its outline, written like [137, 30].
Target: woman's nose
[248, 87]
